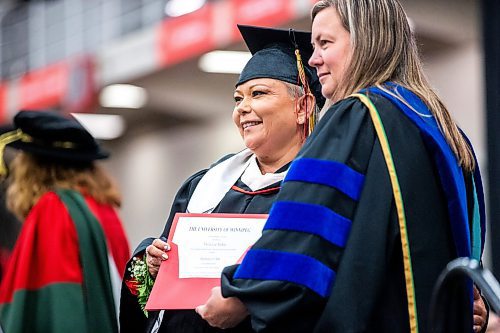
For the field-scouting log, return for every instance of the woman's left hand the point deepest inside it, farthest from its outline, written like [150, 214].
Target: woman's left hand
[222, 312]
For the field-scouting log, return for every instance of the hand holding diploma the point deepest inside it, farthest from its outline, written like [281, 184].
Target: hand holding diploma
[155, 255]
[222, 312]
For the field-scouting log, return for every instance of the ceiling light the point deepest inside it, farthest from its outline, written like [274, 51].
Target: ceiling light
[175, 8]
[231, 62]
[123, 96]
[102, 126]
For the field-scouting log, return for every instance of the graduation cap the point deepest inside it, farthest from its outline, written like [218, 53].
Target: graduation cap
[50, 135]
[282, 55]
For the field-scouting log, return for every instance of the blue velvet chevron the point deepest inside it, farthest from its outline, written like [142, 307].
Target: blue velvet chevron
[329, 173]
[313, 219]
[284, 266]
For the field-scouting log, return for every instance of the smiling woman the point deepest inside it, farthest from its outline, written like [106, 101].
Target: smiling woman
[273, 108]
[332, 51]
[270, 121]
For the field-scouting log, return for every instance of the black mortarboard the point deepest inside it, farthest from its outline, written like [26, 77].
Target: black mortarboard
[273, 56]
[50, 135]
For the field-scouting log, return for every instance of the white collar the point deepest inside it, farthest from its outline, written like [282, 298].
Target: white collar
[214, 185]
[253, 178]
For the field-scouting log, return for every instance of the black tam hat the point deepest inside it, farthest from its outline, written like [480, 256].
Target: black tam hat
[50, 135]
[282, 55]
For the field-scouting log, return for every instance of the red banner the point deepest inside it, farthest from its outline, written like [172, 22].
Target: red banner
[268, 13]
[68, 85]
[191, 35]
[186, 36]
[44, 88]
[81, 92]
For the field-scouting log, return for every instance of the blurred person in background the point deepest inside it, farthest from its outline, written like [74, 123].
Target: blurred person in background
[273, 108]
[65, 271]
[340, 251]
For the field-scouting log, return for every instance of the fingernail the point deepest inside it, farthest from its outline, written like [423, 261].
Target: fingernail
[164, 256]
[167, 247]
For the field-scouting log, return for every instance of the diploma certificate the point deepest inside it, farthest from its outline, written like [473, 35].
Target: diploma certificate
[209, 243]
[201, 246]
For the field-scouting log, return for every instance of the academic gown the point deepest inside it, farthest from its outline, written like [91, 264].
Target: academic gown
[187, 321]
[60, 276]
[330, 257]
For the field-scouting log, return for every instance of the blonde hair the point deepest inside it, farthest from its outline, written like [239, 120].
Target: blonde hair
[32, 177]
[384, 49]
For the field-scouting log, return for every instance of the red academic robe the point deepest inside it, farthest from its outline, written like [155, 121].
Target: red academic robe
[59, 277]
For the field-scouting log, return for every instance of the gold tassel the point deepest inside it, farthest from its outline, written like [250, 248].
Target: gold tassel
[310, 118]
[300, 68]
[5, 139]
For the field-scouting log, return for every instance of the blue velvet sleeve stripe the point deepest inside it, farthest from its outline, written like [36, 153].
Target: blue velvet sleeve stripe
[313, 219]
[329, 173]
[290, 267]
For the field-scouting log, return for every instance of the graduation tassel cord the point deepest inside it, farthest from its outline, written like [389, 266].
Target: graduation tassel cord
[310, 117]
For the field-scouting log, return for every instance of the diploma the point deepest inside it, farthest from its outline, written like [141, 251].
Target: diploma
[201, 246]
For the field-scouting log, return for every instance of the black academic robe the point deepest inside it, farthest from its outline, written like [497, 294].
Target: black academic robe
[330, 257]
[187, 321]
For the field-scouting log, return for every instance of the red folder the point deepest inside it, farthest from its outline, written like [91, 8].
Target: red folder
[169, 291]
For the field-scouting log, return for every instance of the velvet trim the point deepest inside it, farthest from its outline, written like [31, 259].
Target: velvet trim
[328, 173]
[290, 267]
[478, 182]
[309, 218]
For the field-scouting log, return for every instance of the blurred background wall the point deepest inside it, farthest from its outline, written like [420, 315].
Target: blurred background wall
[70, 54]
